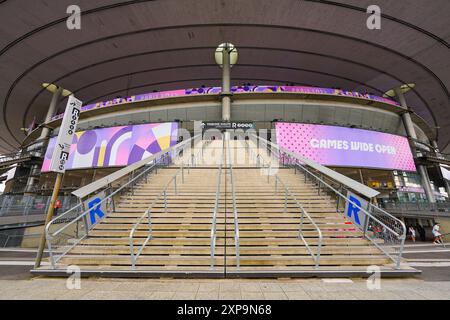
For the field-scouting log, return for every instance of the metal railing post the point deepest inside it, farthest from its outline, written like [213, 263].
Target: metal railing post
[86, 225]
[165, 201]
[50, 251]
[175, 185]
[276, 184]
[149, 221]
[300, 231]
[182, 173]
[285, 199]
[319, 247]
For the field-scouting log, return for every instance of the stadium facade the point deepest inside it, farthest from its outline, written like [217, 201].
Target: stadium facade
[366, 108]
[360, 135]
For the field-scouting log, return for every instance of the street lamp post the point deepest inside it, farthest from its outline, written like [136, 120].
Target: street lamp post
[226, 56]
[57, 93]
[59, 160]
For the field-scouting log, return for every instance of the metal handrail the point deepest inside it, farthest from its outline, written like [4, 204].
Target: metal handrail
[216, 208]
[135, 172]
[147, 213]
[338, 177]
[401, 236]
[304, 213]
[115, 176]
[18, 155]
[235, 213]
[83, 217]
[260, 160]
[199, 154]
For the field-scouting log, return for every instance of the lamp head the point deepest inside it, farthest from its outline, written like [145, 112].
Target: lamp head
[230, 49]
[403, 88]
[53, 88]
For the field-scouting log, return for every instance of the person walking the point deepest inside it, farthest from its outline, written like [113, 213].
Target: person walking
[437, 234]
[56, 207]
[412, 233]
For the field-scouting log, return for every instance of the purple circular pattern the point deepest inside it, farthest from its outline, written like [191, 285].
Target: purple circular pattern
[87, 142]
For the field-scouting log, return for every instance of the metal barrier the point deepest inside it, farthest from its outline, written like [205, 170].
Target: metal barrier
[148, 214]
[235, 213]
[385, 231]
[287, 193]
[67, 230]
[216, 208]
[76, 223]
[260, 162]
[22, 211]
[23, 205]
[443, 207]
[7, 239]
[19, 157]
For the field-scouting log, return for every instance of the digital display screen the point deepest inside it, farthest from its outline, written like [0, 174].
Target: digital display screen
[236, 90]
[116, 146]
[346, 147]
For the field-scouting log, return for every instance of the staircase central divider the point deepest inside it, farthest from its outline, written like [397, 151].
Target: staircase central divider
[148, 214]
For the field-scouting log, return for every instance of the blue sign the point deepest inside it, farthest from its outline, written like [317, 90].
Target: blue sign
[354, 209]
[95, 209]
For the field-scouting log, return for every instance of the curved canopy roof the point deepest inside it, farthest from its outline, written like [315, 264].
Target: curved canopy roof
[130, 47]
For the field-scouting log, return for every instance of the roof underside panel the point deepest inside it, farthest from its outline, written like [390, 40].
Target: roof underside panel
[129, 47]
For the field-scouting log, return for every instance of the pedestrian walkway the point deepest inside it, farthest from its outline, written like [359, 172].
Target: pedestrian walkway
[186, 289]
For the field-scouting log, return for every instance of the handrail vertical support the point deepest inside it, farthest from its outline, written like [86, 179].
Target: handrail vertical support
[165, 201]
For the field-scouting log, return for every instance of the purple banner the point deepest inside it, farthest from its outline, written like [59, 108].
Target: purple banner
[236, 90]
[346, 147]
[116, 146]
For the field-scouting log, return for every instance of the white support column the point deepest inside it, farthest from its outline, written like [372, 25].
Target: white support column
[446, 183]
[226, 93]
[411, 132]
[51, 112]
[44, 135]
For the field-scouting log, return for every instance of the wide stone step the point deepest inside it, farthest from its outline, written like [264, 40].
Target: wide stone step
[205, 260]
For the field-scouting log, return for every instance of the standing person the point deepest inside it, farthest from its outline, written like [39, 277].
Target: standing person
[56, 207]
[437, 234]
[421, 232]
[412, 233]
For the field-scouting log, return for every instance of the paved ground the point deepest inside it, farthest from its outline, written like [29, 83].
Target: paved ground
[17, 283]
[187, 289]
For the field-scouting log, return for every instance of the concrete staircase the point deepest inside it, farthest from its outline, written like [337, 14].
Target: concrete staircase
[269, 237]
[181, 236]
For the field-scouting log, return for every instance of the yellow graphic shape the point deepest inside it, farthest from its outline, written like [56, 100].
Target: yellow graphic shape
[101, 155]
[164, 142]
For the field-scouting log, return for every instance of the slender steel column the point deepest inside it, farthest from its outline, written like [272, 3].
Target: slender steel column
[411, 132]
[226, 93]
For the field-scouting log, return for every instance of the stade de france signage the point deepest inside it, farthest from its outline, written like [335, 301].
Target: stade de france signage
[228, 125]
[65, 137]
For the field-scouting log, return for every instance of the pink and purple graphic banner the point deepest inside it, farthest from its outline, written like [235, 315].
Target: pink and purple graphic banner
[237, 90]
[346, 147]
[116, 146]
